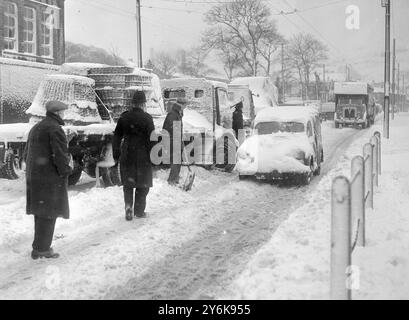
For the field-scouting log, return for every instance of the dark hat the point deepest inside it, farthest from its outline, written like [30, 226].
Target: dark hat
[139, 97]
[55, 106]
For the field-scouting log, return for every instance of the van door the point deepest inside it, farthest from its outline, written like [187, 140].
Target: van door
[223, 110]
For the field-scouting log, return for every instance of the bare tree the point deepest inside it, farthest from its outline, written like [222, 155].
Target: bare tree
[304, 54]
[195, 62]
[164, 64]
[246, 27]
[215, 39]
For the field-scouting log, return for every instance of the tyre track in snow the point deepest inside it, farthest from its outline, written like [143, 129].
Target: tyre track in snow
[203, 266]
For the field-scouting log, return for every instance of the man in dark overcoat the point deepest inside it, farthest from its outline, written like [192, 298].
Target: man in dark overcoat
[132, 147]
[238, 121]
[47, 170]
[174, 126]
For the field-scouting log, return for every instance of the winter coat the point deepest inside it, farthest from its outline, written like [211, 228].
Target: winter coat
[238, 121]
[47, 169]
[173, 122]
[132, 147]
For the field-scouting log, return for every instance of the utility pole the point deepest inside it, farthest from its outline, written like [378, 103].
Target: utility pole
[398, 93]
[403, 94]
[139, 32]
[325, 84]
[393, 97]
[387, 5]
[282, 72]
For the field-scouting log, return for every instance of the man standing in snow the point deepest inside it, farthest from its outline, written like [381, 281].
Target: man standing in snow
[132, 147]
[174, 126]
[47, 169]
[238, 122]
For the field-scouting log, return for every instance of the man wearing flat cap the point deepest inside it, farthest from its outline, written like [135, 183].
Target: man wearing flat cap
[132, 147]
[47, 170]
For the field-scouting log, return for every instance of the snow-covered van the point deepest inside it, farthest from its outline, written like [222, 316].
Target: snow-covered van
[88, 90]
[354, 104]
[265, 93]
[208, 113]
[286, 144]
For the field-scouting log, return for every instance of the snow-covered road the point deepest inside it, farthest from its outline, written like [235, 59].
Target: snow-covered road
[191, 245]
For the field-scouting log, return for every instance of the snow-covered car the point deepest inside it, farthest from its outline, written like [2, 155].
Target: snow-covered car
[286, 143]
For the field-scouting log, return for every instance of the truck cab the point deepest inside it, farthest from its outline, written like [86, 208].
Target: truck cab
[354, 104]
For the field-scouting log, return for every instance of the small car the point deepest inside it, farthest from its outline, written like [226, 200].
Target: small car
[286, 144]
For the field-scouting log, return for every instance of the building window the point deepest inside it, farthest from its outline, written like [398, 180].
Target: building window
[29, 31]
[10, 27]
[46, 47]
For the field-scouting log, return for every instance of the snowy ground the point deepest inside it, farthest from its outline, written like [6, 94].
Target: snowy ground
[193, 245]
[294, 264]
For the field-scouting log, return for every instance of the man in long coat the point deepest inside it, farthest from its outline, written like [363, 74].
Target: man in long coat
[174, 126]
[238, 121]
[47, 170]
[132, 147]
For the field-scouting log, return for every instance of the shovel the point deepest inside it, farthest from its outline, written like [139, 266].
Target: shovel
[190, 177]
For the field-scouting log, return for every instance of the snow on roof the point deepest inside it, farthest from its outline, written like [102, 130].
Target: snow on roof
[80, 68]
[350, 88]
[286, 114]
[71, 78]
[191, 82]
[31, 64]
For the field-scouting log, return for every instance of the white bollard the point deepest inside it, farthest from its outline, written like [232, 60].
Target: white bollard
[358, 197]
[368, 156]
[375, 144]
[378, 134]
[340, 238]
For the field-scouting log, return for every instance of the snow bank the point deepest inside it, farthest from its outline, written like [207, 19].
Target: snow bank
[295, 263]
[80, 68]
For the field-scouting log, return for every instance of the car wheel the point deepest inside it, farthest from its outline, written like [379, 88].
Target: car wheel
[243, 178]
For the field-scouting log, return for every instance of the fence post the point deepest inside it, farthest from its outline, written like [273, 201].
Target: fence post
[368, 155]
[358, 197]
[340, 238]
[378, 134]
[375, 144]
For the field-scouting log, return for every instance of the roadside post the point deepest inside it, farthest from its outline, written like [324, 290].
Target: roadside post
[358, 197]
[340, 238]
[368, 155]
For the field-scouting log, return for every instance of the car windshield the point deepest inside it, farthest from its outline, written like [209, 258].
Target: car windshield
[265, 128]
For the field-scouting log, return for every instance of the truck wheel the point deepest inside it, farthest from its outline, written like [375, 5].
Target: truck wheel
[226, 148]
[12, 168]
[90, 168]
[74, 177]
[336, 125]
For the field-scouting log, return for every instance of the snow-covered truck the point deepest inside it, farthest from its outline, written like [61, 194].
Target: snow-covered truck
[89, 91]
[354, 104]
[208, 113]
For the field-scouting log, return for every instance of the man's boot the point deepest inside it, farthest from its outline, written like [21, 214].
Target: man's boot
[128, 214]
[50, 254]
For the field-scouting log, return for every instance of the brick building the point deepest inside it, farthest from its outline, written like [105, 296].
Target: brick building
[32, 30]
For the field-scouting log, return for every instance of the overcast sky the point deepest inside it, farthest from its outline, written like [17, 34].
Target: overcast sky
[169, 24]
